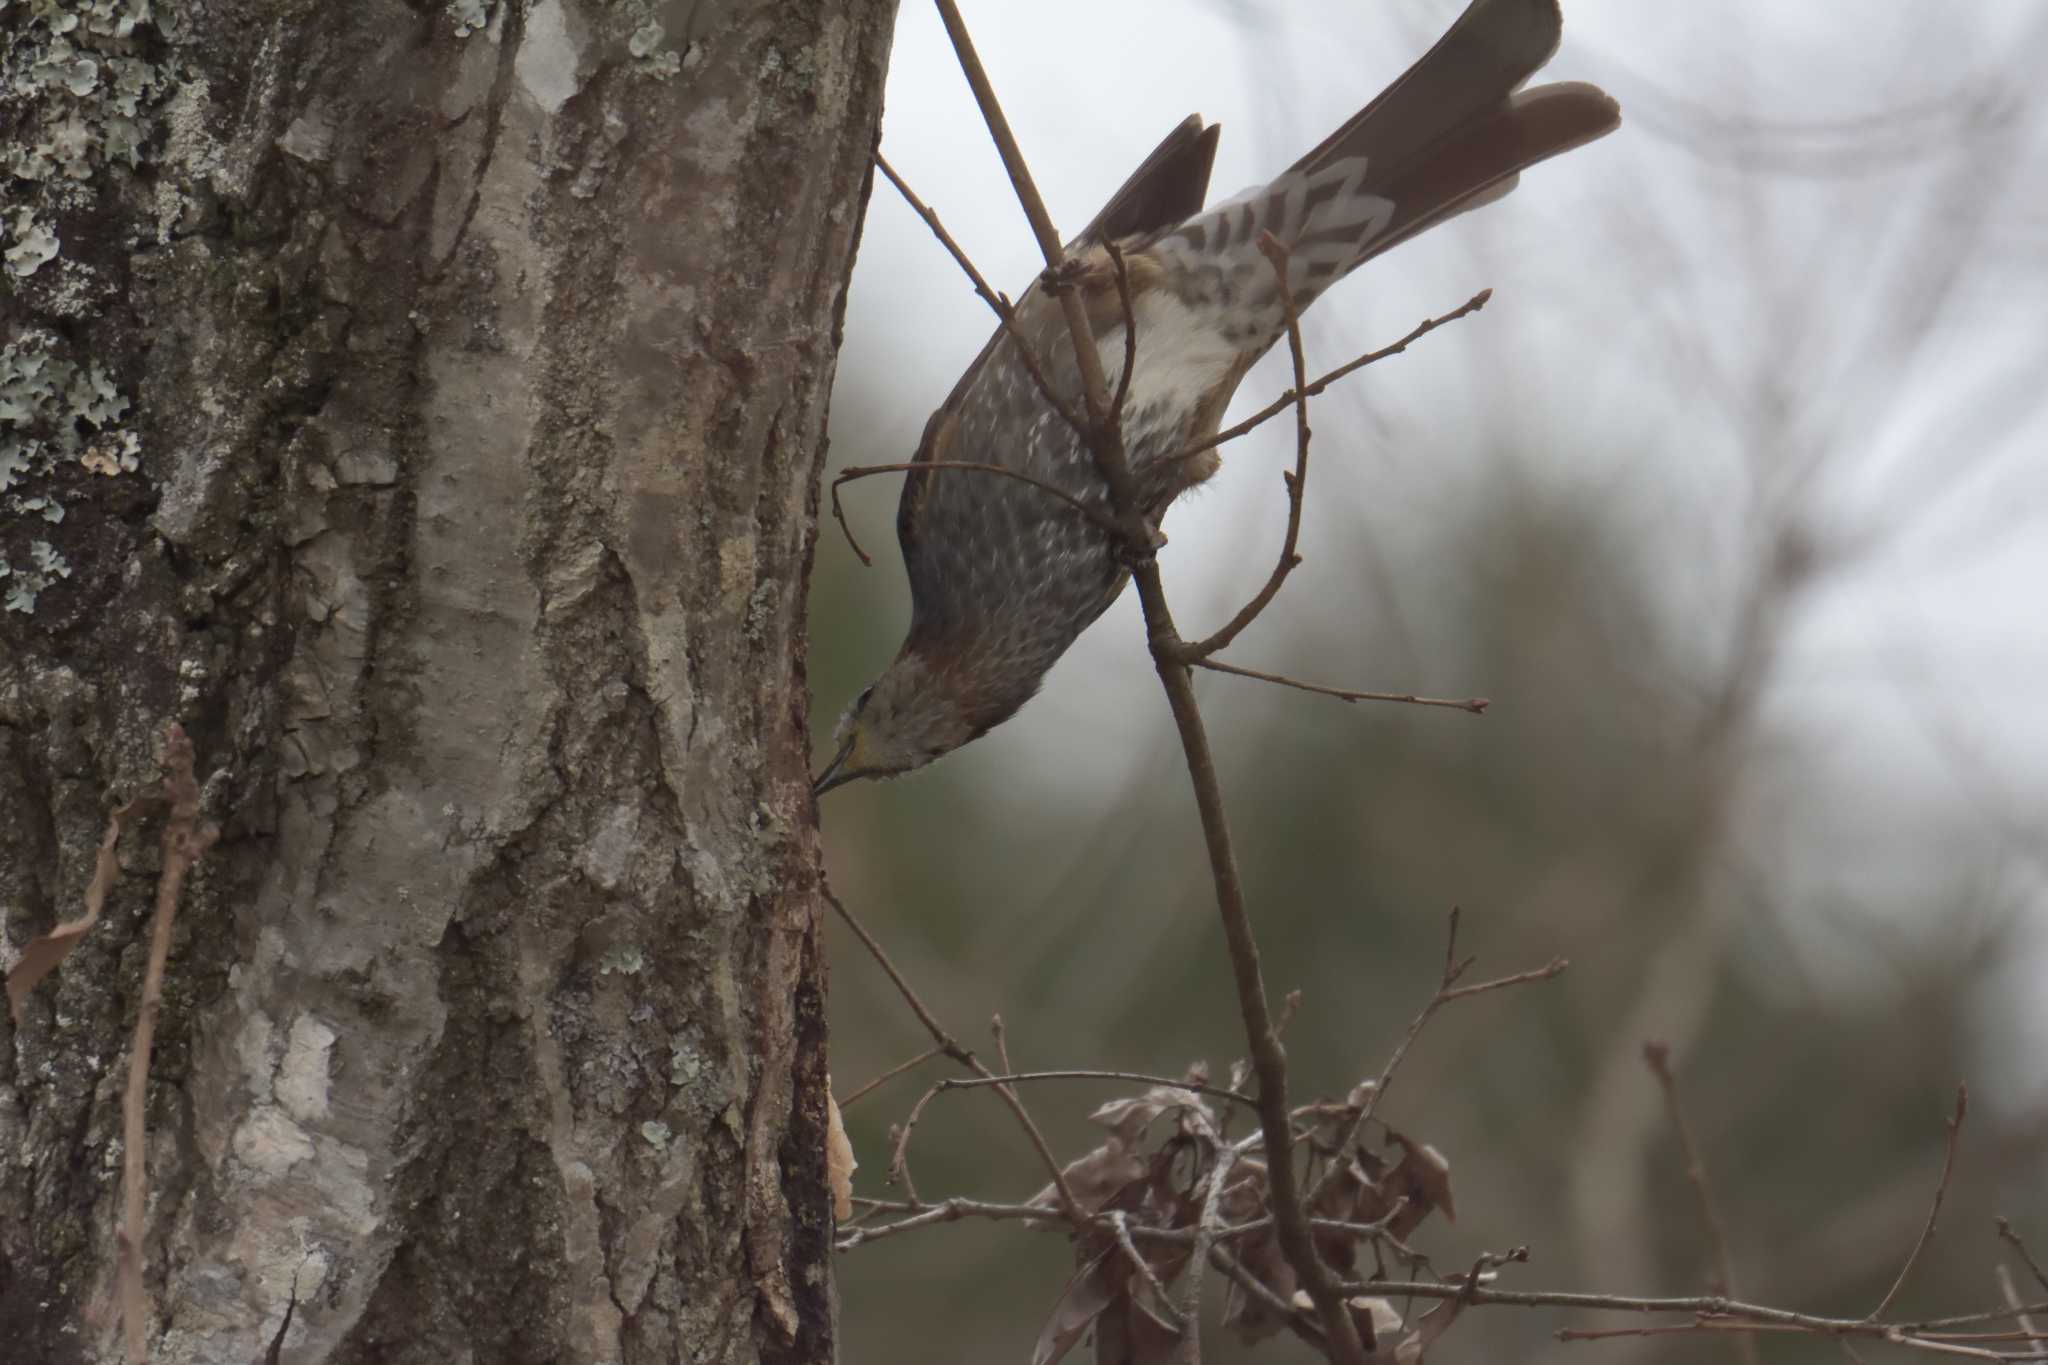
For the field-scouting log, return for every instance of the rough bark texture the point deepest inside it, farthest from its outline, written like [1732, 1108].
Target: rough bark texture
[424, 405]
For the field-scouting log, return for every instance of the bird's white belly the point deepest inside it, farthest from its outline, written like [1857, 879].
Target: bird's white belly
[1181, 356]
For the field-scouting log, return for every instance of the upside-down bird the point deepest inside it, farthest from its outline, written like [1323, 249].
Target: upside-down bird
[1004, 575]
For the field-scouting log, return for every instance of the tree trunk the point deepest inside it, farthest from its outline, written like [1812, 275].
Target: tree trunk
[424, 405]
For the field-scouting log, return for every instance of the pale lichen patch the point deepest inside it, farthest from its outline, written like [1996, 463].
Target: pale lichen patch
[270, 1144]
[549, 57]
[303, 1074]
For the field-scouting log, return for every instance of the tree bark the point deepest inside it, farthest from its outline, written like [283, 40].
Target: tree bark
[424, 405]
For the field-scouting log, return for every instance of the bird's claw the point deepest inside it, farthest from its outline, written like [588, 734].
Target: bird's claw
[1133, 555]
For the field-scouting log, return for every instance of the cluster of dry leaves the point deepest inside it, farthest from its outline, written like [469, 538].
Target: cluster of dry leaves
[1169, 1185]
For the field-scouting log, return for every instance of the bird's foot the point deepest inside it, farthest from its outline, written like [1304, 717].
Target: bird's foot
[1131, 555]
[1065, 277]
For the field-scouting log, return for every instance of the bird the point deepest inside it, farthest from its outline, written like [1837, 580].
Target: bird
[1005, 575]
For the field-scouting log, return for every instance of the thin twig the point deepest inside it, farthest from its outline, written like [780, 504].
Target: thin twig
[1447, 990]
[1301, 1324]
[1205, 1241]
[947, 1211]
[1710, 1312]
[1703, 1305]
[1106, 444]
[1136, 1077]
[1122, 401]
[2011, 1294]
[1948, 1165]
[2005, 1231]
[1297, 482]
[952, 1049]
[899, 1155]
[1086, 358]
[1042, 1213]
[1004, 312]
[1924, 1325]
[893, 1072]
[1721, 1277]
[185, 841]
[931, 1024]
[1721, 1280]
[1286, 400]
[1548, 971]
[1002, 1042]
[1476, 705]
[853, 472]
[1120, 1224]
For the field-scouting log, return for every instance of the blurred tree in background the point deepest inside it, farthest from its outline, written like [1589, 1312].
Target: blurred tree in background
[1750, 398]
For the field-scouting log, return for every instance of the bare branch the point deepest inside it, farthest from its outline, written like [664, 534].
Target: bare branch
[899, 1154]
[948, 1211]
[853, 472]
[1948, 1165]
[1298, 1322]
[1703, 1305]
[1123, 300]
[1002, 1042]
[1722, 1279]
[1120, 1224]
[2013, 1238]
[1085, 355]
[1205, 1241]
[952, 1049]
[1286, 400]
[1111, 461]
[1138, 1077]
[893, 1072]
[2011, 1294]
[1476, 705]
[1447, 990]
[1550, 970]
[995, 300]
[1276, 254]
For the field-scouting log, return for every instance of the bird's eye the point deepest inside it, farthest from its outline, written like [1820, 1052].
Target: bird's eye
[860, 703]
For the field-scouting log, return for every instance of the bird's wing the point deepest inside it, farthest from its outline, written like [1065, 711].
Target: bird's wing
[1168, 187]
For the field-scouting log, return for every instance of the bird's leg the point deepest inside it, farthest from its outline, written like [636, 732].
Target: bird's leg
[1057, 280]
[1131, 556]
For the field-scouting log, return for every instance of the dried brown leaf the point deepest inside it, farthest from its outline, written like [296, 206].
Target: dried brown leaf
[1105, 1174]
[1258, 1253]
[839, 1162]
[1428, 1328]
[1080, 1304]
[1130, 1117]
[1379, 1326]
[1423, 1177]
[1148, 1338]
[1097, 1178]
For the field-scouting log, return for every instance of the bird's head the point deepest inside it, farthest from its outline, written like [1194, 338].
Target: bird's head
[909, 716]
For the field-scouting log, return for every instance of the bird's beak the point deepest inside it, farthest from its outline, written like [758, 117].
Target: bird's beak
[835, 773]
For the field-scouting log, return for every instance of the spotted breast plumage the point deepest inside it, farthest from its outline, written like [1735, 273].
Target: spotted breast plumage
[1003, 575]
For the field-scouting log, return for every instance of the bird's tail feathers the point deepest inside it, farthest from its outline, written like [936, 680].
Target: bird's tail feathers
[1451, 134]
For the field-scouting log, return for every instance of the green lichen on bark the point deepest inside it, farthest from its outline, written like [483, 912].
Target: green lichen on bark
[78, 92]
